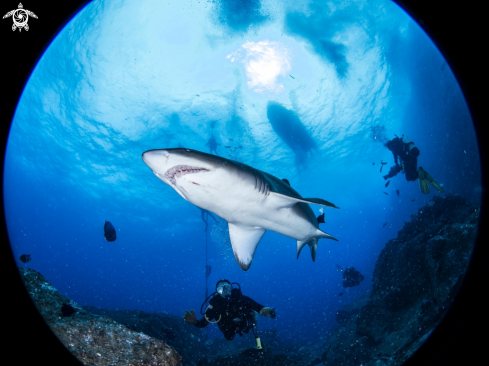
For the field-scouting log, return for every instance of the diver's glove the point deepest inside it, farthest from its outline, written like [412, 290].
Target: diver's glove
[190, 317]
[270, 312]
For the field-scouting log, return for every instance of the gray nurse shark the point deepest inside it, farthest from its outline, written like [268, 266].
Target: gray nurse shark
[251, 201]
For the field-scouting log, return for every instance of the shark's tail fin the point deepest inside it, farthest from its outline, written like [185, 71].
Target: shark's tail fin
[313, 243]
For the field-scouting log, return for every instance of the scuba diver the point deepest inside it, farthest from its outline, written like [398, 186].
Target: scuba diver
[232, 311]
[404, 151]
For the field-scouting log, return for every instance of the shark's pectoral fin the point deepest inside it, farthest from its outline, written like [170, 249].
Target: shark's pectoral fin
[320, 201]
[284, 201]
[244, 240]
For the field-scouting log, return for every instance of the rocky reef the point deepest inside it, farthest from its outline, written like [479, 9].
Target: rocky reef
[95, 340]
[415, 280]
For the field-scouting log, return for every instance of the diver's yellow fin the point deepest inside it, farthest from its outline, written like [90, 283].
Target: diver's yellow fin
[423, 181]
[433, 182]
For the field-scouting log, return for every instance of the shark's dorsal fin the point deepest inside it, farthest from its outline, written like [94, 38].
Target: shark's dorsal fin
[244, 240]
[284, 200]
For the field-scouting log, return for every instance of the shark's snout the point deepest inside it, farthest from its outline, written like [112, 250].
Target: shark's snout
[156, 160]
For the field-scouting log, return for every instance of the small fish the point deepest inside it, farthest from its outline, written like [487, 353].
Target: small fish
[397, 191]
[386, 193]
[413, 200]
[227, 146]
[67, 310]
[384, 224]
[387, 184]
[373, 163]
[24, 258]
[382, 163]
[240, 146]
[109, 231]
[341, 294]
[286, 181]
[320, 219]
[292, 77]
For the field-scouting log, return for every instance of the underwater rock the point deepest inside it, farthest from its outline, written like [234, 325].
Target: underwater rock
[415, 280]
[95, 340]
[187, 340]
[349, 311]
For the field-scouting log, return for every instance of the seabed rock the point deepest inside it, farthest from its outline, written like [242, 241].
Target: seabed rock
[95, 340]
[415, 280]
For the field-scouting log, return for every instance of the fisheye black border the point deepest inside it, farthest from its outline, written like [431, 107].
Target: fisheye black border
[456, 27]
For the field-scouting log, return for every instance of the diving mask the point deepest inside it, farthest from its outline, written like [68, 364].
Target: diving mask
[224, 289]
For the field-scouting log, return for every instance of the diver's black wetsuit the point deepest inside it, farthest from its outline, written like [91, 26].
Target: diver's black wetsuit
[233, 315]
[408, 156]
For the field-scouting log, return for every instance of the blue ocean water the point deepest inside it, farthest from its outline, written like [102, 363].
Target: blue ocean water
[125, 77]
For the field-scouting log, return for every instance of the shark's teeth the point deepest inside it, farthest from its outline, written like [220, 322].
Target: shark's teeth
[180, 171]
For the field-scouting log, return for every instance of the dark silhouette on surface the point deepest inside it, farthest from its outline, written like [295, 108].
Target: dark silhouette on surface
[213, 144]
[290, 129]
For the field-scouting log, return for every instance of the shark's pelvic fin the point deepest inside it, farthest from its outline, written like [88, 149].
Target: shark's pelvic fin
[313, 243]
[244, 241]
[289, 201]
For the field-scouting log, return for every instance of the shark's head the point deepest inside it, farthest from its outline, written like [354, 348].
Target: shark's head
[181, 168]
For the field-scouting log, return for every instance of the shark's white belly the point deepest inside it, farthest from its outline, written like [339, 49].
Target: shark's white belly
[245, 206]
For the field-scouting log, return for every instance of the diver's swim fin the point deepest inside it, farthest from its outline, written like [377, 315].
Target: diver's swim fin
[432, 181]
[423, 181]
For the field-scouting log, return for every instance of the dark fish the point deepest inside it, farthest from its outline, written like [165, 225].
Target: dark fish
[339, 268]
[413, 200]
[286, 181]
[382, 163]
[227, 147]
[384, 224]
[397, 191]
[109, 231]
[387, 184]
[341, 294]
[67, 310]
[320, 219]
[381, 168]
[351, 277]
[386, 193]
[208, 270]
[24, 258]
[373, 163]
[289, 75]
